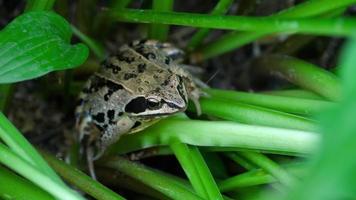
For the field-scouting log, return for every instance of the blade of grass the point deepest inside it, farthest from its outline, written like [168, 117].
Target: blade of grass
[196, 169]
[221, 7]
[250, 114]
[342, 26]
[39, 5]
[36, 175]
[301, 73]
[235, 40]
[11, 184]
[158, 180]
[240, 160]
[19, 145]
[159, 31]
[81, 180]
[298, 93]
[256, 177]
[96, 48]
[270, 166]
[5, 94]
[220, 134]
[281, 103]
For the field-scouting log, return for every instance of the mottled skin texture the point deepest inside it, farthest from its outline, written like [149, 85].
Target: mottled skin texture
[139, 85]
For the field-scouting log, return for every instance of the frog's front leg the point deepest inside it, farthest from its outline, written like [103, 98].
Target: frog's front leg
[111, 134]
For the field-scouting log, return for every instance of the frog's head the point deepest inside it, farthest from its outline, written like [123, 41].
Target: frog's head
[170, 97]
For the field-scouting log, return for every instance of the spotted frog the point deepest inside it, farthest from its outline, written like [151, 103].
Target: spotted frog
[135, 88]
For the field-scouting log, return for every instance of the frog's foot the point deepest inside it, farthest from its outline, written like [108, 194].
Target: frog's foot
[90, 162]
[194, 96]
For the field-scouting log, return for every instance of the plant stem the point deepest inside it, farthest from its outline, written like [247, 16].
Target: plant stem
[160, 31]
[282, 103]
[196, 169]
[301, 73]
[81, 180]
[235, 40]
[221, 7]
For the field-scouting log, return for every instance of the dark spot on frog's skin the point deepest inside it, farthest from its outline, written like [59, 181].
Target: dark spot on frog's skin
[129, 76]
[110, 114]
[160, 71]
[115, 69]
[157, 89]
[99, 127]
[120, 114]
[167, 60]
[141, 68]
[112, 87]
[137, 124]
[140, 89]
[121, 57]
[165, 82]
[147, 82]
[136, 105]
[155, 76]
[105, 126]
[100, 117]
[95, 85]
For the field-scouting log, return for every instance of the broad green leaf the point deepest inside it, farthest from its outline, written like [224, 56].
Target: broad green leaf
[37, 43]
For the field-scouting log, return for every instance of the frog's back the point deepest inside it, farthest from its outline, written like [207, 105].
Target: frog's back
[139, 65]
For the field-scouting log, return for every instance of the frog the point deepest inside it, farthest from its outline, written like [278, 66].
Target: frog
[133, 89]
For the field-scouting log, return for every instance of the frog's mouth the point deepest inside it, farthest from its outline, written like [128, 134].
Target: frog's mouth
[144, 107]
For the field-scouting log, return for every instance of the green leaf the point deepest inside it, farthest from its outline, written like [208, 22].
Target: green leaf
[37, 43]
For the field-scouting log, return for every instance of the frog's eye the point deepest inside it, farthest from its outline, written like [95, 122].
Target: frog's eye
[153, 104]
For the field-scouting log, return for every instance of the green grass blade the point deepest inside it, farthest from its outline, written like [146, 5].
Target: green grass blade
[221, 7]
[160, 181]
[220, 134]
[196, 169]
[37, 43]
[342, 26]
[11, 184]
[19, 145]
[81, 180]
[39, 5]
[249, 114]
[160, 31]
[235, 40]
[286, 104]
[270, 166]
[35, 175]
[301, 73]
[96, 48]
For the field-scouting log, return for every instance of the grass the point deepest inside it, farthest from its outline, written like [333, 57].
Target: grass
[242, 140]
